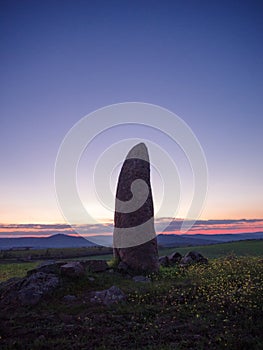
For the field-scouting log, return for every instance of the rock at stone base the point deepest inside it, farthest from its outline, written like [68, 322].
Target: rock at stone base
[174, 258]
[186, 260]
[123, 267]
[73, 269]
[142, 258]
[193, 257]
[143, 279]
[164, 261]
[108, 297]
[170, 260]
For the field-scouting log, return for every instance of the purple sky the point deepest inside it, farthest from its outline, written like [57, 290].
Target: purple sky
[60, 60]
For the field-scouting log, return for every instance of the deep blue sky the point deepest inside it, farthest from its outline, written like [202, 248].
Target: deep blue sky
[60, 60]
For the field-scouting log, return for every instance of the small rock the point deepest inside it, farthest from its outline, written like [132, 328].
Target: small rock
[91, 279]
[109, 296]
[143, 279]
[73, 269]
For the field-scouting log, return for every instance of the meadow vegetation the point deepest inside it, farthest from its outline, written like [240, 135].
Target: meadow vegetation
[214, 306]
[17, 255]
[240, 248]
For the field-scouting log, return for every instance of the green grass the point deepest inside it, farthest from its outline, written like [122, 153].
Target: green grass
[15, 270]
[54, 253]
[240, 248]
[106, 257]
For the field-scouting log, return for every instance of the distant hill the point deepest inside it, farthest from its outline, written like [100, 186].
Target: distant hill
[173, 240]
[165, 240]
[227, 237]
[55, 241]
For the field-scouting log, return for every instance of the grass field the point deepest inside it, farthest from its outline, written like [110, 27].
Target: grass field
[214, 306]
[53, 253]
[241, 248]
[15, 270]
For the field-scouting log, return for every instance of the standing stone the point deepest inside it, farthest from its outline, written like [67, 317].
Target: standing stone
[134, 237]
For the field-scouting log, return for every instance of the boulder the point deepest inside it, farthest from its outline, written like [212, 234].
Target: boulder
[10, 284]
[186, 260]
[109, 296]
[73, 269]
[34, 287]
[175, 258]
[164, 261]
[8, 290]
[47, 267]
[193, 257]
[28, 290]
[134, 237]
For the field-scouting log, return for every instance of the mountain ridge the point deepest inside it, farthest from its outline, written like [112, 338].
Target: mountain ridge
[61, 240]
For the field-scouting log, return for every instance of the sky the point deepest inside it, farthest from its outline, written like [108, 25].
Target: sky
[61, 60]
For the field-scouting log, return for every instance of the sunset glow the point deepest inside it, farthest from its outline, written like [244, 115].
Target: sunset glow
[173, 227]
[203, 62]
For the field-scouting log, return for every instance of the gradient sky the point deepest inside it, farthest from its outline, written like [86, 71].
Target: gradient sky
[61, 60]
